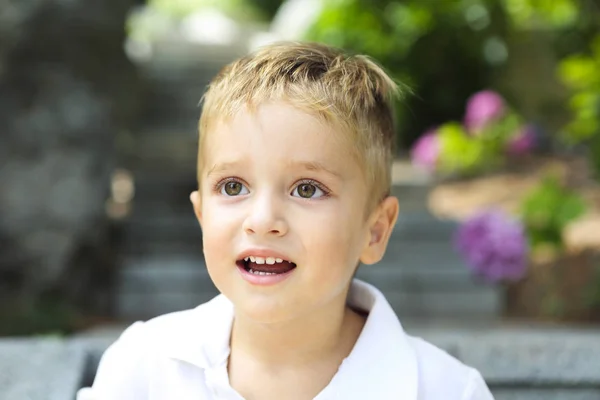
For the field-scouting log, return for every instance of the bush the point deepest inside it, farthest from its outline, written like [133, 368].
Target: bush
[547, 210]
[447, 50]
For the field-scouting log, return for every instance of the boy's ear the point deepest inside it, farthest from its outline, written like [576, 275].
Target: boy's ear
[381, 225]
[197, 203]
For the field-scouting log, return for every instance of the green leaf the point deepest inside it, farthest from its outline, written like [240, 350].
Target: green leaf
[579, 71]
[548, 209]
[461, 153]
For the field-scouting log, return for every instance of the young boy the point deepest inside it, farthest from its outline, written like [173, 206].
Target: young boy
[294, 168]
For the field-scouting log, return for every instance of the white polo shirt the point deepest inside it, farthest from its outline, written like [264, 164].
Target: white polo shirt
[184, 356]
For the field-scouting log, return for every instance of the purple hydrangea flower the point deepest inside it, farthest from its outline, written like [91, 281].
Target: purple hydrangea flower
[522, 142]
[494, 246]
[426, 150]
[482, 108]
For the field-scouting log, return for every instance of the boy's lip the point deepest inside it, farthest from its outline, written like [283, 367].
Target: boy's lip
[257, 252]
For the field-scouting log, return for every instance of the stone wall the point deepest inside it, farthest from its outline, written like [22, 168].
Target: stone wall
[66, 90]
[517, 363]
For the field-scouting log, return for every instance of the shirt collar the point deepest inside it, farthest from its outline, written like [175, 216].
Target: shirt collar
[202, 337]
[382, 356]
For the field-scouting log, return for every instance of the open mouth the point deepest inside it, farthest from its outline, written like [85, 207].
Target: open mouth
[266, 265]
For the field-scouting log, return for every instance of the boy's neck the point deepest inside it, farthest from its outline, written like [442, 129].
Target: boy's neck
[329, 333]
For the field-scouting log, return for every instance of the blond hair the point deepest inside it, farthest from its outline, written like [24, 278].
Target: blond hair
[351, 92]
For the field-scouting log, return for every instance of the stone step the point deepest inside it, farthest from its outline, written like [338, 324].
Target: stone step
[421, 273]
[186, 78]
[169, 271]
[164, 145]
[162, 229]
[173, 95]
[518, 362]
[142, 306]
[412, 197]
[160, 248]
[158, 189]
[155, 284]
[179, 208]
[421, 225]
[177, 282]
[164, 193]
[171, 108]
[185, 93]
[164, 220]
[149, 178]
[175, 75]
[163, 273]
[409, 250]
[40, 367]
[174, 102]
[389, 274]
[469, 305]
[181, 120]
[152, 132]
[159, 165]
[171, 155]
[422, 254]
[169, 223]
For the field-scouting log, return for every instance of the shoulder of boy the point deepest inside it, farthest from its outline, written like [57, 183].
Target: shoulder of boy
[123, 369]
[441, 376]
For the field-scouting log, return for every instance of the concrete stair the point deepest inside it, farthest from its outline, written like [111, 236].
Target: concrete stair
[421, 275]
[161, 266]
[424, 278]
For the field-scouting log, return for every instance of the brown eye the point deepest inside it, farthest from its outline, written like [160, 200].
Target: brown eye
[233, 188]
[307, 191]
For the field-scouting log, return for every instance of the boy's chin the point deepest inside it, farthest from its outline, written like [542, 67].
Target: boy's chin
[264, 310]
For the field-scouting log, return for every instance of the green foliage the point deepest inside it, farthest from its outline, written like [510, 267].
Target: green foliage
[547, 210]
[465, 154]
[594, 152]
[460, 150]
[239, 9]
[49, 316]
[548, 14]
[462, 154]
[385, 32]
[159, 16]
[581, 73]
[267, 7]
[590, 297]
[414, 40]
[446, 50]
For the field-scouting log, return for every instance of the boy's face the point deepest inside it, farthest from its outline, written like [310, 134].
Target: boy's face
[278, 185]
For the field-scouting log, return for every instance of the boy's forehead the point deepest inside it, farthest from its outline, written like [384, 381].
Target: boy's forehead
[278, 127]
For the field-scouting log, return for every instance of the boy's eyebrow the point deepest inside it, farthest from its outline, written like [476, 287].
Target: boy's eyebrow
[219, 167]
[315, 166]
[308, 165]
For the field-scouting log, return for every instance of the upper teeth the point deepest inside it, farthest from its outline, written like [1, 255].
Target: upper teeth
[263, 260]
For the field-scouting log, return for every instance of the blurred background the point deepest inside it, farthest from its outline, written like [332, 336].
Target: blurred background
[497, 170]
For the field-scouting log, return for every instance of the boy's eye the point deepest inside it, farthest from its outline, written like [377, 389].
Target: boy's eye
[233, 188]
[307, 191]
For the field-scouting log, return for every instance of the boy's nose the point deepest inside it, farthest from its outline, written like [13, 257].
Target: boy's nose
[265, 218]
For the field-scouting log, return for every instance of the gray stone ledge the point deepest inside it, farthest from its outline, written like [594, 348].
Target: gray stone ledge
[40, 369]
[520, 363]
[547, 394]
[522, 356]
